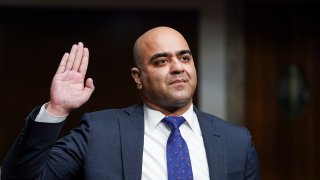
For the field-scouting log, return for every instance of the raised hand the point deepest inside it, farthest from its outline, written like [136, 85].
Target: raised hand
[69, 90]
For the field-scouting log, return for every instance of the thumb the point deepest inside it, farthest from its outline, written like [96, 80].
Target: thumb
[89, 87]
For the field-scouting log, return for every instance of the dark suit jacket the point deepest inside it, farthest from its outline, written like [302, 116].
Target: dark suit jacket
[109, 145]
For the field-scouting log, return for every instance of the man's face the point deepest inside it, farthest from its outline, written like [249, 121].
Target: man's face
[167, 72]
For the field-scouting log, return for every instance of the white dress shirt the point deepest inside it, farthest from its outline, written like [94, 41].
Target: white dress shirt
[45, 117]
[154, 163]
[156, 133]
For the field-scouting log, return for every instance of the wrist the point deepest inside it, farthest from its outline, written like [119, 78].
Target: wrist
[56, 110]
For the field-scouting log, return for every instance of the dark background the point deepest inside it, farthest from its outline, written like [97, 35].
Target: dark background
[33, 40]
[285, 126]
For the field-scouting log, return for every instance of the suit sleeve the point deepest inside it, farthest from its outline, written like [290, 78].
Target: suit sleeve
[36, 153]
[252, 170]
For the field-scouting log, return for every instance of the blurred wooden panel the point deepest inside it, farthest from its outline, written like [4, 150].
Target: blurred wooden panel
[33, 40]
[278, 35]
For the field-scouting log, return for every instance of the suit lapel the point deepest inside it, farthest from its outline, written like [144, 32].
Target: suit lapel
[214, 145]
[132, 137]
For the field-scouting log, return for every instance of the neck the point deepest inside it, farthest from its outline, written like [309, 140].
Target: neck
[169, 111]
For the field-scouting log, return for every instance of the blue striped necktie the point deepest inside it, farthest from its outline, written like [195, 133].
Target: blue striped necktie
[178, 159]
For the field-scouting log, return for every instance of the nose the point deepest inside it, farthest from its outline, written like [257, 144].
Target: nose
[176, 66]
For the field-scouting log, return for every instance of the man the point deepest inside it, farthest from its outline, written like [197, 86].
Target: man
[137, 142]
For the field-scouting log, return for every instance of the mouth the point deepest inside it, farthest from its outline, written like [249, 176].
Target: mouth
[177, 81]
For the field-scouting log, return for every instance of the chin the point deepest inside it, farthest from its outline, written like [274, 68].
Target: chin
[180, 102]
[181, 96]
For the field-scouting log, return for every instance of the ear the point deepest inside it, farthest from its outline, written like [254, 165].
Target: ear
[136, 75]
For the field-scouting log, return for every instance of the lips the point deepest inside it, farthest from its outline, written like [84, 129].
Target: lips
[176, 81]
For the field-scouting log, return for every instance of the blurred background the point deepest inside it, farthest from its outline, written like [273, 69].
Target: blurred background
[257, 60]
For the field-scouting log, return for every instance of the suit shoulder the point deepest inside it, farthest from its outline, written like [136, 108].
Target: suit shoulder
[228, 128]
[235, 136]
[109, 114]
[217, 120]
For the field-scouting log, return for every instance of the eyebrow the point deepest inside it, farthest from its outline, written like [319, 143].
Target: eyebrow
[160, 54]
[179, 53]
[165, 54]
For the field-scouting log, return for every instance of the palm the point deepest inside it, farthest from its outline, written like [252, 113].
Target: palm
[69, 90]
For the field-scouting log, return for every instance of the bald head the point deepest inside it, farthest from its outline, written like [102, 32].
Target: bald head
[157, 37]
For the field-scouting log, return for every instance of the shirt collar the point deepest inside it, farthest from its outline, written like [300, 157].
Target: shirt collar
[153, 117]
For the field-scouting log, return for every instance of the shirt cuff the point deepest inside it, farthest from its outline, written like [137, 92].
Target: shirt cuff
[45, 117]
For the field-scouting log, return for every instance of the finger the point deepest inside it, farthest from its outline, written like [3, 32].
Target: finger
[84, 62]
[71, 57]
[78, 57]
[63, 62]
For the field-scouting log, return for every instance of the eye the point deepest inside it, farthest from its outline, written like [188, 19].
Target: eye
[185, 58]
[160, 61]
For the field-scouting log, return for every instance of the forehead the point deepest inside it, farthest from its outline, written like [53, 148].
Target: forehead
[164, 40]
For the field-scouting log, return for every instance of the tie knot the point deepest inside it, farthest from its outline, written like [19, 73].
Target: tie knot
[173, 121]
